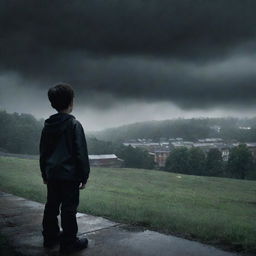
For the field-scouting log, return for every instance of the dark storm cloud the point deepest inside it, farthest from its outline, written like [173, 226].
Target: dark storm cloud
[135, 49]
[173, 27]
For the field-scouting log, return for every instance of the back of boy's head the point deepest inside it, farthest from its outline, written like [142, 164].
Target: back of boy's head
[61, 96]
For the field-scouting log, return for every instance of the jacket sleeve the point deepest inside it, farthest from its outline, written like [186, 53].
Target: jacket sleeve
[81, 152]
[42, 152]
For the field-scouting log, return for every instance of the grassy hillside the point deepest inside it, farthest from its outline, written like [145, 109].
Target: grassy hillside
[214, 210]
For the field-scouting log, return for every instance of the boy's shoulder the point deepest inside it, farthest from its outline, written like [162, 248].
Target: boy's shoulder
[76, 123]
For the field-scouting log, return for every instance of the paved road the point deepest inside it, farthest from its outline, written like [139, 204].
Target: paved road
[20, 222]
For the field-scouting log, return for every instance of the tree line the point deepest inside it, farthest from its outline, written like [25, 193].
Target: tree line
[189, 129]
[194, 161]
[20, 134]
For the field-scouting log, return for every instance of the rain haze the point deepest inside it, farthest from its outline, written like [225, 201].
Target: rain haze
[130, 61]
[162, 157]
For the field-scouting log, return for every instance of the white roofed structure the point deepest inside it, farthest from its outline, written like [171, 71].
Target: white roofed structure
[103, 156]
[107, 160]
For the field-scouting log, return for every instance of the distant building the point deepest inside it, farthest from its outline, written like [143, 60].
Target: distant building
[162, 149]
[208, 140]
[106, 160]
[222, 147]
[160, 157]
[245, 127]
[216, 128]
[159, 150]
[252, 148]
[149, 146]
[178, 144]
[204, 146]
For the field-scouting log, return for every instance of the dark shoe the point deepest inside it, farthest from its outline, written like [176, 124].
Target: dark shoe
[51, 242]
[78, 245]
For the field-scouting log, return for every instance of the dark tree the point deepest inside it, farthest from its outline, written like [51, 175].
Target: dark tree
[240, 162]
[97, 147]
[214, 163]
[178, 160]
[135, 157]
[196, 161]
[19, 133]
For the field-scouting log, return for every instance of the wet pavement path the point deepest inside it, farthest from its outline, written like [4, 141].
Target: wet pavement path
[20, 223]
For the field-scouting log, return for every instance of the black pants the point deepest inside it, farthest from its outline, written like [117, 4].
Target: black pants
[64, 194]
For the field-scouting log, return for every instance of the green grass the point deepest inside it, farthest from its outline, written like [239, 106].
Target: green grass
[219, 211]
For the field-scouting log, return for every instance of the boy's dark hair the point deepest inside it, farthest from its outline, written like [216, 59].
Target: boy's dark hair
[61, 96]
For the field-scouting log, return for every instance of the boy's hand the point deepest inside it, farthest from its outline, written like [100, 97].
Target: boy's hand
[81, 185]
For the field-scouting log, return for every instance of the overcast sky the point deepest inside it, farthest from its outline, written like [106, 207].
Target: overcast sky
[130, 60]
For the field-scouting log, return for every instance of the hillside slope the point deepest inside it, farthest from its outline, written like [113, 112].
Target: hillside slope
[215, 210]
[188, 129]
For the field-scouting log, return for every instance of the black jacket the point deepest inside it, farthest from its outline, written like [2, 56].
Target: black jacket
[63, 149]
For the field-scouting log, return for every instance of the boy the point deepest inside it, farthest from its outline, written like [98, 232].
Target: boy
[65, 169]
